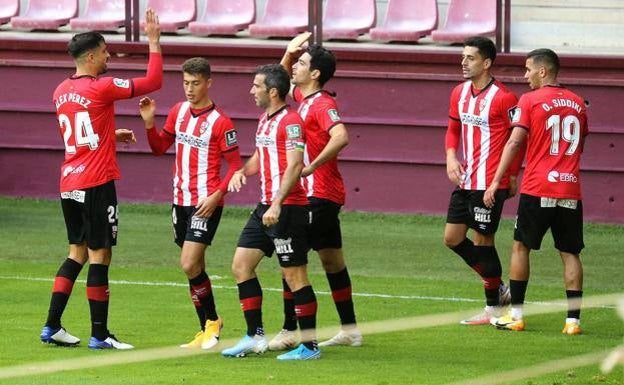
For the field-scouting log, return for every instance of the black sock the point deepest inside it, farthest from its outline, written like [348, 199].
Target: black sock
[518, 291]
[63, 285]
[340, 285]
[574, 303]
[202, 288]
[97, 293]
[491, 272]
[201, 314]
[465, 249]
[250, 296]
[306, 306]
[290, 317]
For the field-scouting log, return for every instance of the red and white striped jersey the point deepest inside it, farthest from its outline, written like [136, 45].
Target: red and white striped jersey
[485, 117]
[556, 121]
[277, 134]
[320, 114]
[201, 137]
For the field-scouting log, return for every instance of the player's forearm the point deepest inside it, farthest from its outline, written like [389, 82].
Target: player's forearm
[153, 78]
[509, 153]
[158, 141]
[252, 166]
[287, 62]
[335, 144]
[234, 164]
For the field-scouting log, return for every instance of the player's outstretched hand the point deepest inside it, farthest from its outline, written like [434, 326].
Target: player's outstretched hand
[123, 135]
[147, 109]
[296, 44]
[237, 181]
[152, 26]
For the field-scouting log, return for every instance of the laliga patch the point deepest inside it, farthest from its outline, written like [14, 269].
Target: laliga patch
[121, 83]
[333, 115]
[230, 138]
[514, 114]
[293, 131]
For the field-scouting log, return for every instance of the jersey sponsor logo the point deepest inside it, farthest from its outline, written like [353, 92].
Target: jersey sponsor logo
[516, 113]
[230, 138]
[556, 176]
[333, 115]
[71, 170]
[474, 120]
[191, 140]
[198, 223]
[121, 83]
[293, 131]
[264, 141]
[283, 246]
[76, 195]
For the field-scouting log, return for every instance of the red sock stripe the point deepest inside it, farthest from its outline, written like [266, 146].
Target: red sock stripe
[491, 283]
[203, 290]
[342, 294]
[97, 293]
[306, 310]
[478, 269]
[63, 285]
[288, 294]
[195, 299]
[252, 303]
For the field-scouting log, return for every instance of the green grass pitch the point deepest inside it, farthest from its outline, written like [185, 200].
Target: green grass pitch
[399, 267]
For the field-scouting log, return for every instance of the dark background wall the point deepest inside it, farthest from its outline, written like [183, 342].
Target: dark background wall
[395, 105]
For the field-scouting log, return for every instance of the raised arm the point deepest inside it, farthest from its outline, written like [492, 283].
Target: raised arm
[153, 78]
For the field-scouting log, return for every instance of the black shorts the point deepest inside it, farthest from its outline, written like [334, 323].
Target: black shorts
[91, 215]
[467, 207]
[325, 227]
[187, 227]
[564, 217]
[288, 238]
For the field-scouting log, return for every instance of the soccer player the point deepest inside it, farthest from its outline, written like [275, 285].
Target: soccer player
[203, 135]
[480, 113]
[280, 221]
[552, 120]
[86, 115]
[326, 136]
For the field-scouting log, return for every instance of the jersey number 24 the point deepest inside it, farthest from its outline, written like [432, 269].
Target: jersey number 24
[82, 132]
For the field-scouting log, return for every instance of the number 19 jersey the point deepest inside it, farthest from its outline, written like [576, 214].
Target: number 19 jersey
[86, 116]
[556, 121]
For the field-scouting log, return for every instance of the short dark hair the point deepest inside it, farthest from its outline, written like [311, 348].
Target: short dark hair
[197, 66]
[275, 76]
[546, 57]
[84, 42]
[486, 47]
[323, 60]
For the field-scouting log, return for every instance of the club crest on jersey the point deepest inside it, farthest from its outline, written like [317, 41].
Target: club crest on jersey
[293, 131]
[333, 115]
[482, 105]
[514, 114]
[121, 83]
[203, 127]
[230, 138]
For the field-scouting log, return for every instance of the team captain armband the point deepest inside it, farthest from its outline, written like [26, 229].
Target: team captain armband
[294, 138]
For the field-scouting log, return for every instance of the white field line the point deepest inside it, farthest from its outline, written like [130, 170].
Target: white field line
[537, 370]
[355, 294]
[376, 327]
